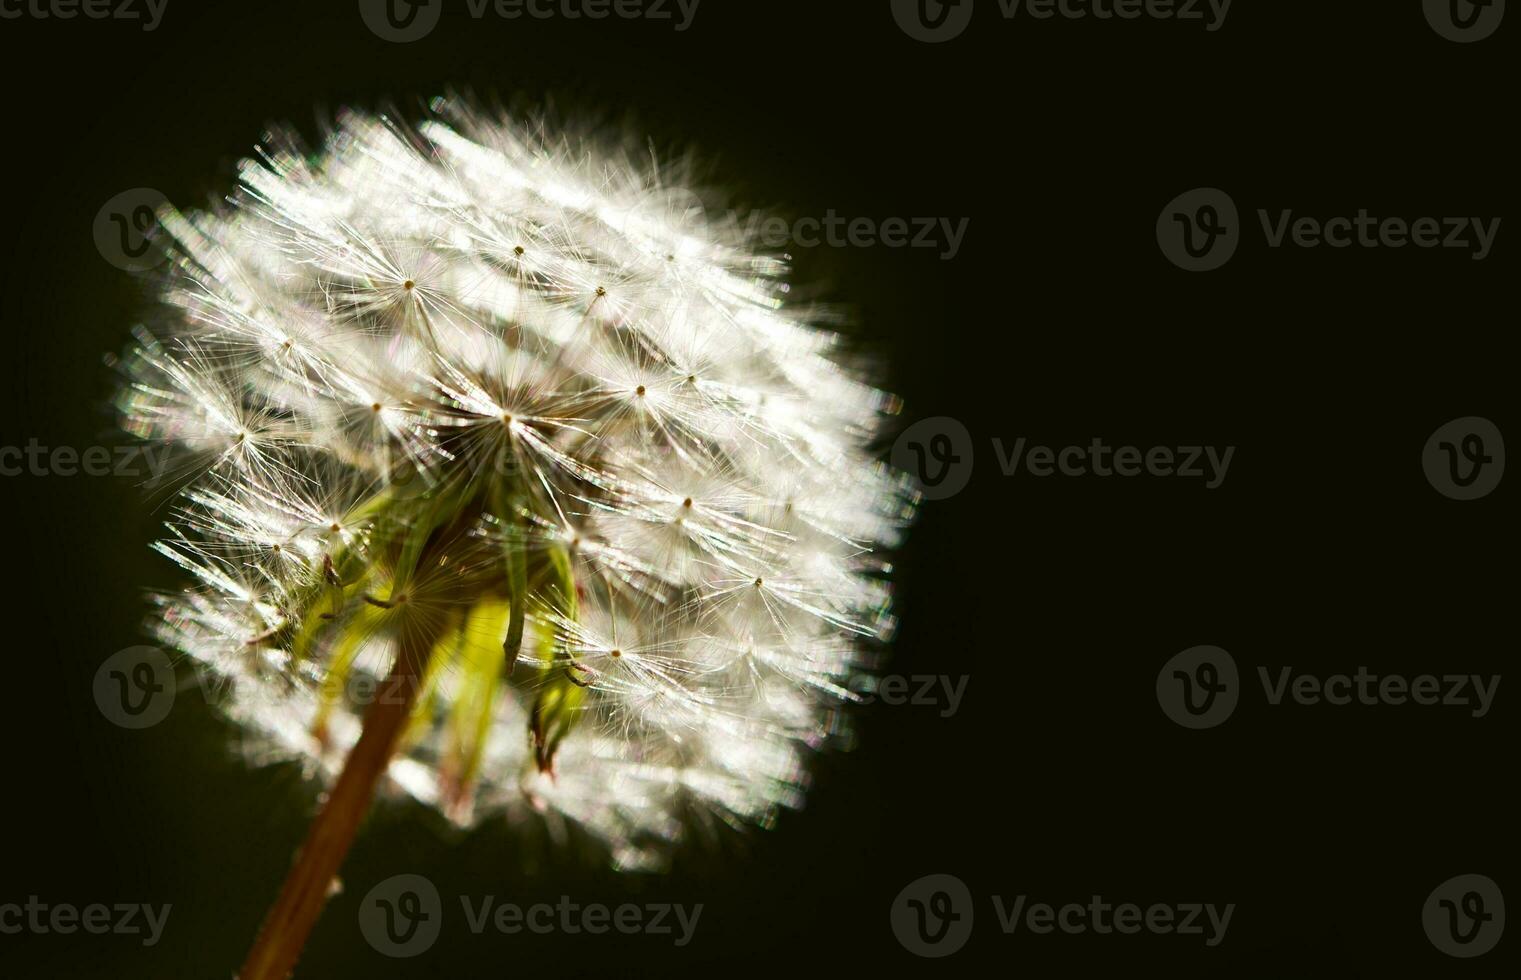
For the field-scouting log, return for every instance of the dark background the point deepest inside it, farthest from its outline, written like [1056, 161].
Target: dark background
[1060, 321]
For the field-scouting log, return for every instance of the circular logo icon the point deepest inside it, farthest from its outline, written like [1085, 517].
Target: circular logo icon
[400, 21]
[1464, 21]
[932, 21]
[1465, 458]
[401, 916]
[126, 229]
[407, 482]
[932, 917]
[1199, 229]
[937, 453]
[1465, 916]
[1199, 687]
[135, 687]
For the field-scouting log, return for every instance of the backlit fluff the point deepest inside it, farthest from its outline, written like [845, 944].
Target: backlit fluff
[535, 363]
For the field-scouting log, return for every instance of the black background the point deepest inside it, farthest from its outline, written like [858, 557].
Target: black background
[1059, 320]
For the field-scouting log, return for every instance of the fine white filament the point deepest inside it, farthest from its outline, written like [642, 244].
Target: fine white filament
[431, 313]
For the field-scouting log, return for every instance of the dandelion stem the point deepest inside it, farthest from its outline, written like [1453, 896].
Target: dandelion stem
[290, 920]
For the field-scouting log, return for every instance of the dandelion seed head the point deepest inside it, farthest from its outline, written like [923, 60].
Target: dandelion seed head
[418, 375]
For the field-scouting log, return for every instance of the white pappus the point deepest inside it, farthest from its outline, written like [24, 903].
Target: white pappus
[480, 388]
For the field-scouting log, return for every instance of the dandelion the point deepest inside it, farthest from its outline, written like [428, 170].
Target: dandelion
[509, 483]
